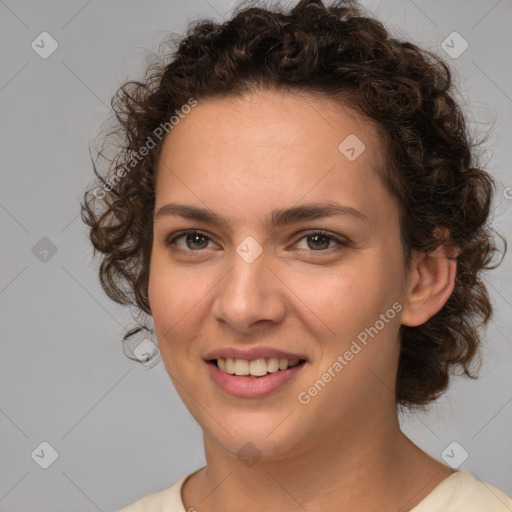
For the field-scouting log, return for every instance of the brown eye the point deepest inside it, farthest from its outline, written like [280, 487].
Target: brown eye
[320, 241]
[194, 240]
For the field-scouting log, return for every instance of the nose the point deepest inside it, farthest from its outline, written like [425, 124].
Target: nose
[250, 294]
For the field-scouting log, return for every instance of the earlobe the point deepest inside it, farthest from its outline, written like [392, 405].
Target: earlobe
[430, 286]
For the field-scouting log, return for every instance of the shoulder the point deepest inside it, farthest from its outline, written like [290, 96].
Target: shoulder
[167, 500]
[461, 492]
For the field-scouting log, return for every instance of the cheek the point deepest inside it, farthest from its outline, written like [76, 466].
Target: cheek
[348, 306]
[345, 297]
[174, 295]
[173, 290]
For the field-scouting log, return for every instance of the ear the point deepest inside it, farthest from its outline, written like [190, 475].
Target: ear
[430, 285]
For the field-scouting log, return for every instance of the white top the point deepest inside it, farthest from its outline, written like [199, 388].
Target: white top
[460, 492]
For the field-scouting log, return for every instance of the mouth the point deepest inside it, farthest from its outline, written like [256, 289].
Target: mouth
[255, 378]
[255, 368]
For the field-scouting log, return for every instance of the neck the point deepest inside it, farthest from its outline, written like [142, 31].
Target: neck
[374, 468]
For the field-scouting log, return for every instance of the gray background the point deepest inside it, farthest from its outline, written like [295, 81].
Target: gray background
[118, 427]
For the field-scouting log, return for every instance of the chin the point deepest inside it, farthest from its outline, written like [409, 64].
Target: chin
[268, 437]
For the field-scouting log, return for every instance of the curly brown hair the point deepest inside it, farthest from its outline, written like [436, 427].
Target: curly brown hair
[340, 52]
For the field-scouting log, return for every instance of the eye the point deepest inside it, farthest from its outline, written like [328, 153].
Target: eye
[320, 240]
[195, 240]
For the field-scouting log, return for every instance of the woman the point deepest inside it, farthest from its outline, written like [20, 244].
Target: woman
[298, 207]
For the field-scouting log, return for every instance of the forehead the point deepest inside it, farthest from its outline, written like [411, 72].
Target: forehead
[278, 121]
[270, 148]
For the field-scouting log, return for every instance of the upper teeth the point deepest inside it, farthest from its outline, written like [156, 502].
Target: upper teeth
[256, 367]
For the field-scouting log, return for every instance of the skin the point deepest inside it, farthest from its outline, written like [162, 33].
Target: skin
[343, 450]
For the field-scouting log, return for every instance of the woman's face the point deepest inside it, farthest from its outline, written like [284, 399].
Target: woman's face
[253, 291]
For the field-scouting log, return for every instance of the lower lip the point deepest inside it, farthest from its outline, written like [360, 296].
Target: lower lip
[252, 387]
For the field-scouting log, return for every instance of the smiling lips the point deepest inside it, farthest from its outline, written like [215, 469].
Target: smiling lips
[256, 367]
[256, 361]
[255, 372]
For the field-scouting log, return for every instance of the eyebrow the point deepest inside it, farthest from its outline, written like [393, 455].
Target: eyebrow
[278, 217]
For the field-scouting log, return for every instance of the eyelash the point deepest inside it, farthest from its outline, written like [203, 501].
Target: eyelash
[172, 239]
